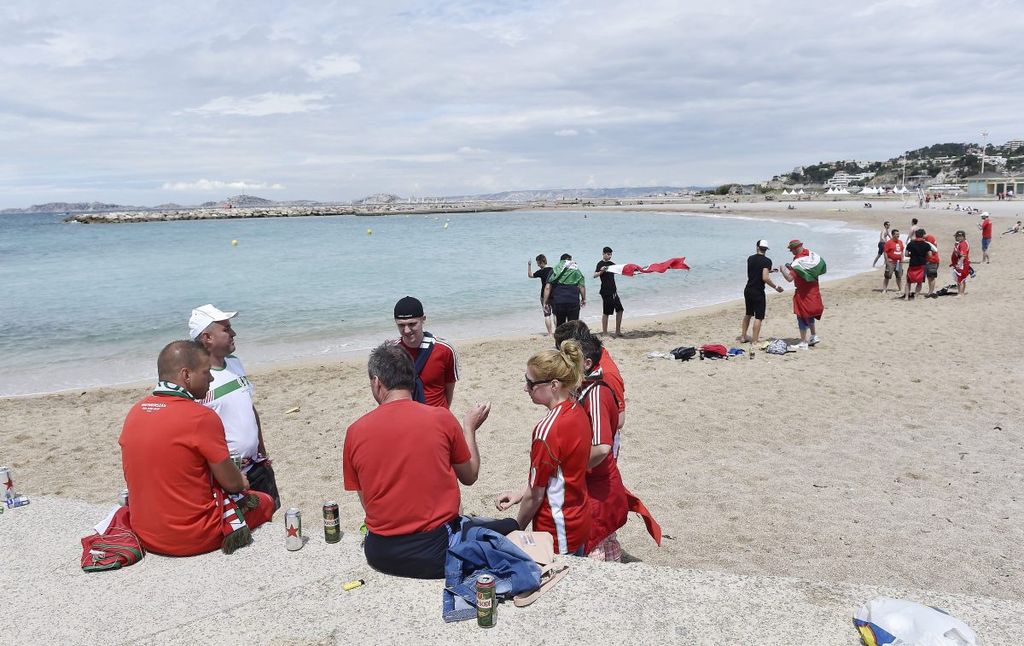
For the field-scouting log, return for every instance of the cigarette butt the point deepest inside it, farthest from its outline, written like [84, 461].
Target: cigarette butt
[352, 585]
[292, 410]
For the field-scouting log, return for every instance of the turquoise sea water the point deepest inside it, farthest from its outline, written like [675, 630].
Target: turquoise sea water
[88, 305]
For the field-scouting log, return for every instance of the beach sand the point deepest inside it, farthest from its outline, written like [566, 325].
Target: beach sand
[886, 458]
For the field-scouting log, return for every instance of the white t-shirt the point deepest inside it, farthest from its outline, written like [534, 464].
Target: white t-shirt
[230, 397]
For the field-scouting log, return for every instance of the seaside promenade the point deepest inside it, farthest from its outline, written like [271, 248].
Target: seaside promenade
[883, 461]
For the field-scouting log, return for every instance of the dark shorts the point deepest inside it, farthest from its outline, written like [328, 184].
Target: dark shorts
[881, 247]
[985, 242]
[566, 312]
[611, 303]
[421, 555]
[931, 269]
[756, 303]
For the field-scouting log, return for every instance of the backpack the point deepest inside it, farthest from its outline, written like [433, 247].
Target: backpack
[714, 351]
[684, 353]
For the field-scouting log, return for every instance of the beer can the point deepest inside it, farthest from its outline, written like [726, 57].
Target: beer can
[123, 498]
[332, 522]
[293, 529]
[17, 501]
[6, 482]
[237, 459]
[486, 602]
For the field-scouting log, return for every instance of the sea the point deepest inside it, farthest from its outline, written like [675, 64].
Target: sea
[87, 305]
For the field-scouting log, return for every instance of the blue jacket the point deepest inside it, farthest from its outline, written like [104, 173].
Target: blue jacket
[473, 551]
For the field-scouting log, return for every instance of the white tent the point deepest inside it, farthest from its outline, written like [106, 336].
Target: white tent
[785, 192]
[801, 192]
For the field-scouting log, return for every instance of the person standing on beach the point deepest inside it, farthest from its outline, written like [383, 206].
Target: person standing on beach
[609, 294]
[759, 268]
[230, 396]
[544, 273]
[883, 237]
[918, 251]
[177, 466]
[960, 262]
[893, 261]
[986, 236]
[931, 268]
[803, 272]
[436, 363]
[405, 461]
[578, 330]
[910, 232]
[566, 291]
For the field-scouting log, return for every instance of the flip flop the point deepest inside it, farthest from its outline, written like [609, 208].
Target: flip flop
[549, 576]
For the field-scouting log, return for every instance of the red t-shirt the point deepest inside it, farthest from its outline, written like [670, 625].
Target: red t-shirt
[167, 444]
[558, 462]
[400, 455]
[894, 250]
[613, 377]
[961, 252]
[603, 415]
[986, 229]
[442, 368]
[933, 256]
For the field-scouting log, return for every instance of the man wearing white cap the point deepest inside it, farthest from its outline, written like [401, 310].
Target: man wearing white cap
[230, 395]
[759, 268]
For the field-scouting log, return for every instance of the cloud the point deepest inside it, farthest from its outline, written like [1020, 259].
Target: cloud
[216, 185]
[469, 150]
[332, 66]
[566, 132]
[262, 105]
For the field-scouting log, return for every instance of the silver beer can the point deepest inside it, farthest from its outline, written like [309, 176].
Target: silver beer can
[293, 529]
[6, 483]
[123, 498]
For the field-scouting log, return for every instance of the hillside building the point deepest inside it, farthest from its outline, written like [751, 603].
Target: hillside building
[991, 184]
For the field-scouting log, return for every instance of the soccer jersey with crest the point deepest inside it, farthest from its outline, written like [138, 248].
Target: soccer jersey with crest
[230, 396]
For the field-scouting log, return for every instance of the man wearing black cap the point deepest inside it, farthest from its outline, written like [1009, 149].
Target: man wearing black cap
[609, 294]
[436, 364]
[759, 267]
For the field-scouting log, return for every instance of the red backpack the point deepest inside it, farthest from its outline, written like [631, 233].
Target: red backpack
[714, 351]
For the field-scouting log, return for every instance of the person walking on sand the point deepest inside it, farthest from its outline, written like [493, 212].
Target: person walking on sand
[436, 363]
[883, 237]
[917, 251]
[544, 273]
[803, 272]
[759, 268]
[986, 235]
[231, 397]
[931, 268]
[609, 294]
[893, 261]
[960, 262]
[566, 290]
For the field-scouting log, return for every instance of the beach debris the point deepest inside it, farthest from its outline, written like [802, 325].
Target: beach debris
[352, 585]
[895, 621]
[293, 409]
[369, 232]
[234, 243]
[7, 482]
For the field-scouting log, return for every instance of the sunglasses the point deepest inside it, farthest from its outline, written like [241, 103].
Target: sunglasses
[531, 384]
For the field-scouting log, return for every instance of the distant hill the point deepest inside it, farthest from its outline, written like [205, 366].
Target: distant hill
[581, 193]
[65, 207]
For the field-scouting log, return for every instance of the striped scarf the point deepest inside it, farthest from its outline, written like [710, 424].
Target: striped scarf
[172, 389]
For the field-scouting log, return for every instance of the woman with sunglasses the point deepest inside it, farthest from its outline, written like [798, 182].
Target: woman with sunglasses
[555, 497]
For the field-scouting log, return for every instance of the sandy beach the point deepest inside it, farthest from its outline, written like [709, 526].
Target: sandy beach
[886, 460]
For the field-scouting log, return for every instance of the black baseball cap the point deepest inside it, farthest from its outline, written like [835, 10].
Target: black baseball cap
[606, 250]
[408, 308]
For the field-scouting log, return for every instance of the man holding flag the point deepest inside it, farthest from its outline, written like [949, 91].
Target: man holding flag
[803, 272]
[566, 290]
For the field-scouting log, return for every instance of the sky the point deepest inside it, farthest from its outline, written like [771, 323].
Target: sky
[186, 101]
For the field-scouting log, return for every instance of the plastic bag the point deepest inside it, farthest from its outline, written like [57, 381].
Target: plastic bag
[895, 622]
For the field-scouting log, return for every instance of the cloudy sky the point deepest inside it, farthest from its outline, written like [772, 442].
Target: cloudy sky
[182, 101]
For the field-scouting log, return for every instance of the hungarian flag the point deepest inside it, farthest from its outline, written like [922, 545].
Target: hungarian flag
[809, 266]
[630, 269]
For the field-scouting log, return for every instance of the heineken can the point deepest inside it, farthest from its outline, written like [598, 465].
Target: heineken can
[237, 459]
[486, 602]
[293, 529]
[123, 498]
[332, 523]
[6, 483]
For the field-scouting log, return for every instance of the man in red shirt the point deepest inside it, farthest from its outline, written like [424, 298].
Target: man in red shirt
[893, 261]
[176, 463]
[579, 330]
[435, 361]
[405, 461]
[986, 236]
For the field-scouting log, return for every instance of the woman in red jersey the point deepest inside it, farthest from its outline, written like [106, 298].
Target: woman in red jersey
[960, 261]
[555, 497]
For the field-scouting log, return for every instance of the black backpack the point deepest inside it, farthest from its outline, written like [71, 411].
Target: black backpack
[684, 353]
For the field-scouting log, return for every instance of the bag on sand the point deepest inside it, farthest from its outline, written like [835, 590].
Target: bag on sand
[684, 353]
[892, 622]
[714, 351]
[777, 346]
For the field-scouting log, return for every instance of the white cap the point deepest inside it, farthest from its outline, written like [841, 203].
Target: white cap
[762, 244]
[203, 316]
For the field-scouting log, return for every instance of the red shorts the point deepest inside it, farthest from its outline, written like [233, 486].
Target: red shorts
[915, 275]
